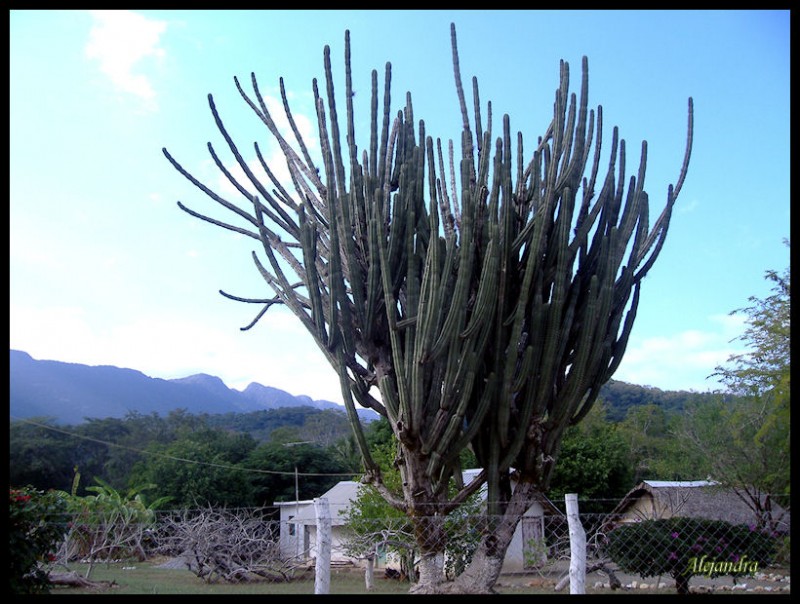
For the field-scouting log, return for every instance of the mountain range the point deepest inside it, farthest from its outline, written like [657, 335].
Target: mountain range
[70, 393]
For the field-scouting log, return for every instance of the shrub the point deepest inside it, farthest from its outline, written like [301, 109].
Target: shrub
[683, 547]
[36, 526]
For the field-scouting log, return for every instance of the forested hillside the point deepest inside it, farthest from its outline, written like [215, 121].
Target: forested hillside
[619, 397]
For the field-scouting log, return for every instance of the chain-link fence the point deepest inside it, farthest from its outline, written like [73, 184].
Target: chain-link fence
[274, 543]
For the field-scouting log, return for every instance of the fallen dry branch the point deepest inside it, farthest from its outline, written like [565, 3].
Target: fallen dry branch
[73, 579]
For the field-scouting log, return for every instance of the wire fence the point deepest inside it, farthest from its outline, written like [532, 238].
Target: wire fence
[275, 542]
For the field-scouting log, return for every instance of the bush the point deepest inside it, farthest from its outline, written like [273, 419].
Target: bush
[683, 547]
[36, 526]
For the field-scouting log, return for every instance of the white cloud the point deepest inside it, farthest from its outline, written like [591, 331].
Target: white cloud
[687, 208]
[120, 40]
[682, 361]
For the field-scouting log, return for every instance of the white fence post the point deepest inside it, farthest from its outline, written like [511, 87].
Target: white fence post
[369, 574]
[322, 575]
[577, 546]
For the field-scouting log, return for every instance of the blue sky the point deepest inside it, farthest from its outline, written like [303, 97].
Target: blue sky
[106, 270]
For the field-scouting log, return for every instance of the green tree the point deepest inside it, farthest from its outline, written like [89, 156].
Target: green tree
[202, 467]
[326, 427]
[95, 457]
[376, 525]
[594, 463]
[746, 441]
[486, 314]
[764, 367]
[653, 449]
[345, 451]
[277, 465]
[40, 456]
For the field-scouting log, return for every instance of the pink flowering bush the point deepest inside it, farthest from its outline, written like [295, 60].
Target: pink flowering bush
[37, 524]
[685, 547]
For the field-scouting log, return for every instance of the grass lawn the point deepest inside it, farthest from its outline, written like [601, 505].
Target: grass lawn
[146, 578]
[132, 578]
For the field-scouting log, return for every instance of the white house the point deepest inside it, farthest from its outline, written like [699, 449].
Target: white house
[294, 540]
[299, 523]
[299, 530]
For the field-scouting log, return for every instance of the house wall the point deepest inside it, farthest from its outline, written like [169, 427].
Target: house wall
[531, 527]
[338, 537]
[293, 537]
[526, 550]
[643, 508]
[519, 555]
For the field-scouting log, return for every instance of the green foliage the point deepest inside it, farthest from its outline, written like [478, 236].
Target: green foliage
[45, 455]
[203, 467]
[186, 455]
[323, 426]
[108, 524]
[654, 452]
[274, 466]
[40, 456]
[36, 526]
[682, 547]
[751, 440]
[743, 445]
[373, 521]
[593, 462]
[621, 397]
[744, 442]
[765, 366]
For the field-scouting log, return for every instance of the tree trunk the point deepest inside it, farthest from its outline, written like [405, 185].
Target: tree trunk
[73, 579]
[431, 574]
[682, 583]
[482, 572]
[487, 561]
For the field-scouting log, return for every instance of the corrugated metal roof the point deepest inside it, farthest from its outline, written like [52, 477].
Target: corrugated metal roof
[679, 484]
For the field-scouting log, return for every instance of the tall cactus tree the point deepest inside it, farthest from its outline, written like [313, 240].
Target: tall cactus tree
[484, 302]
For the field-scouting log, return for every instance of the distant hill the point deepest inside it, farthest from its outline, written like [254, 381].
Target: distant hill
[618, 397]
[69, 393]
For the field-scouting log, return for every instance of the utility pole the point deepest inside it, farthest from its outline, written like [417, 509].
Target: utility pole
[298, 543]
